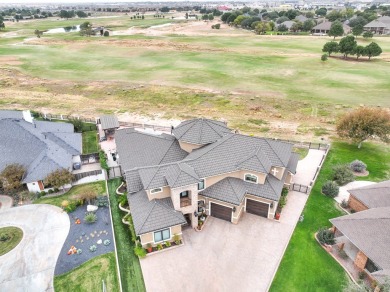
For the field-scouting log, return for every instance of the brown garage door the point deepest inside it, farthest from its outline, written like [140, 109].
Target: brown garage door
[221, 212]
[257, 208]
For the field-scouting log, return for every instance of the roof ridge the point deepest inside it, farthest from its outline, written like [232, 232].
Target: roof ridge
[173, 141]
[234, 190]
[274, 151]
[152, 177]
[175, 212]
[186, 171]
[272, 187]
[146, 218]
[60, 139]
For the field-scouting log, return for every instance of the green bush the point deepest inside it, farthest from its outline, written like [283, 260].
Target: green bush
[324, 57]
[343, 254]
[71, 207]
[43, 193]
[159, 246]
[140, 251]
[103, 160]
[167, 244]
[106, 33]
[56, 190]
[50, 191]
[122, 200]
[325, 236]
[90, 218]
[107, 242]
[358, 166]
[176, 239]
[344, 204]
[342, 174]
[330, 189]
[4, 237]
[93, 248]
[79, 251]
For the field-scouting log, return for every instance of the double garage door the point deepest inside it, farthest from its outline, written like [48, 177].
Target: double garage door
[253, 207]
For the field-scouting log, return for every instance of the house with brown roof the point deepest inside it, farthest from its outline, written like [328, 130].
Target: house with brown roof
[371, 196]
[365, 237]
[202, 168]
[323, 28]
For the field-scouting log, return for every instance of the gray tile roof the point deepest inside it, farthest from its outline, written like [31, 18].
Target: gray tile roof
[373, 196]
[200, 131]
[152, 215]
[181, 174]
[369, 231]
[293, 163]
[41, 147]
[138, 149]
[109, 122]
[255, 161]
[233, 190]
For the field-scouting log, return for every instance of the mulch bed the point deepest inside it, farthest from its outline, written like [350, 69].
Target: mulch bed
[82, 236]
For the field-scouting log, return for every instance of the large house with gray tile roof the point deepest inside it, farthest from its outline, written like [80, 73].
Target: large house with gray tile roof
[379, 26]
[40, 146]
[365, 237]
[202, 167]
[371, 196]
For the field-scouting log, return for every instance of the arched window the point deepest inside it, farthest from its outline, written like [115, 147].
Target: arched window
[250, 178]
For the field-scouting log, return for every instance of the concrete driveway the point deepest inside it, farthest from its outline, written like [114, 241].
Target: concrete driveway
[228, 257]
[30, 266]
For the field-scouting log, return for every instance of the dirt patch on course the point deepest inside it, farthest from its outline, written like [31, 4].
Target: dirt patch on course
[9, 60]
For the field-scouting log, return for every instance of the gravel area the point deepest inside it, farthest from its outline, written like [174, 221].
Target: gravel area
[82, 236]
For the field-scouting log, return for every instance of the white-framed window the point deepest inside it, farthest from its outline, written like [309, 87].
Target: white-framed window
[162, 235]
[184, 194]
[156, 190]
[250, 178]
[201, 185]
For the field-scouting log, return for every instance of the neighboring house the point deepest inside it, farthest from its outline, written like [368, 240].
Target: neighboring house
[202, 167]
[288, 24]
[371, 196]
[301, 18]
[379, 26]
[41, 147]
[108, 124]
[324, 28]
[365, 237]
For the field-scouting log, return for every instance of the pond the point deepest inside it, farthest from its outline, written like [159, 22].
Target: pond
[73, 28]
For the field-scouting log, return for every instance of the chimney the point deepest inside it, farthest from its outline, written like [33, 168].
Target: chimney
[28, 117]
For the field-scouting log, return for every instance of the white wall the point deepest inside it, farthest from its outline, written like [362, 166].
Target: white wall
[92, 178]
[33, 187]
[76, 159]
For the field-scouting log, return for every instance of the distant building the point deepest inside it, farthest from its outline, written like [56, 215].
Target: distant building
[379, 26]
[324, 28]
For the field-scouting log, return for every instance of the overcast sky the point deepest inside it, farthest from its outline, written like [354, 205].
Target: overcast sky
[29, 2]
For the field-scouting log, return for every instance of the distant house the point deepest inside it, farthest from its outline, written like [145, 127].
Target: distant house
[371, 196]
[301, 18]
[108, 125]
[365, 237]
[324, 27]
[379, 26]
[41, 147]
[203, 167]
[288, 24]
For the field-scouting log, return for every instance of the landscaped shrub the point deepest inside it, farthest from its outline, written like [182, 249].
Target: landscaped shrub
[176, 239]
[167, 244]
[43, 193]
[122, 199]
[140, 251]
[283, 198]
[56, 190]
[71, 207]
[4, 237]
[343, 254]
[106, 33]
[131, 228]
[159, 246]
[90, 218]
[358, 166]
[342, 174]
[330, 189]
[79, 251]
[325, 236]
[344, 203]
[102, 201]
[324, 57]
[50, 191]
[93, 248]
[107, 242]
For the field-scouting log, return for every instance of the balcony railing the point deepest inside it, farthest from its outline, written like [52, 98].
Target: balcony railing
[184, 202]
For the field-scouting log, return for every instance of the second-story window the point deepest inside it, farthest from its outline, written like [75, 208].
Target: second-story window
[156, 190]
[184, 194]
[201, 185]
[250, 178]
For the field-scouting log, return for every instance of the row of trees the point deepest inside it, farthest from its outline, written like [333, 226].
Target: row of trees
[348, 46]
[71, 13]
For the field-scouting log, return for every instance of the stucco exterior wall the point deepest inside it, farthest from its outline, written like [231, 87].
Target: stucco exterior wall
[33, 187]
[175, 196]
[279, 172]
[188, 147]
[289, 178]
[355, 204]
[166, 192]
[91, 178]
[360, 260]
[149, 237]
[209, 181]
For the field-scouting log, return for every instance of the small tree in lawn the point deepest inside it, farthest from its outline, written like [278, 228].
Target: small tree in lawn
[88, 194]
[373, 50]
[336, 29]
[347, 45]
[364, 123]
[11, 177]
[360, 51]
[59, 178]
[331, 47]
[357, 30]
[38, 33]
[368, 34]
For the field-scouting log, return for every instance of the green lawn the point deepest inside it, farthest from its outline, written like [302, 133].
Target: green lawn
[90, 143]
[89, 276]
[131, 273]
[14, 235]
[100, 188]
[305, 265]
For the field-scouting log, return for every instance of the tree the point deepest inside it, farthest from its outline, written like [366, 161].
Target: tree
[297, 26]
[364, 123]
[359, 20]
[334, 15]
[211, 16]
[330, 48]
[81, 14]
[324, 57]
[360, 51]
[282, 28]
[165, 9]
[291, 14]
[309, 14]
[38, 33]
[262, 27]
[11, 177]
[368, 34]
[308, 25]
[282, 19]
[231, 18]
[357, 30]
[77, 124]
[2, 25]
[321, 12]
[347, 45]
[336, 29]
[59, 178]
[373, 50]
[88, 193]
